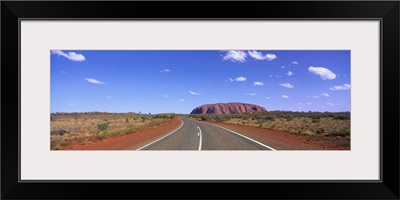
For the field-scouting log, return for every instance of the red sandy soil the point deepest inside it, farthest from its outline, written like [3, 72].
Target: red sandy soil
[288, 141]
[130, 141]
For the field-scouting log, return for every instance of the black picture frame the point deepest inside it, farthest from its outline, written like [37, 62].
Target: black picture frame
[386, 11]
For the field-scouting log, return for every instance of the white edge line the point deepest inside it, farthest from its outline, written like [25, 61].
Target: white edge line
[161, 137]
[246, 137]
[200, 138]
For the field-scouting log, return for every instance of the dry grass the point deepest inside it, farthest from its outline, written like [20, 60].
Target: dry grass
[72, 128]
[303, 125]
[307, 123]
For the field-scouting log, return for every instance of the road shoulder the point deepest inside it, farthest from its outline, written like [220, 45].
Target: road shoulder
[131, 141]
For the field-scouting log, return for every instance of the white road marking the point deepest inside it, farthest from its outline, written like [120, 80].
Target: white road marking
[162, 137]
[200, 138]
[246, 137]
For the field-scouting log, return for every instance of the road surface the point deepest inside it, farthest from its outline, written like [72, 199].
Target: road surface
[195, 135]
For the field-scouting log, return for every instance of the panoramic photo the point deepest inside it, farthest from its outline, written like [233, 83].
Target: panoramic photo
[200, 100]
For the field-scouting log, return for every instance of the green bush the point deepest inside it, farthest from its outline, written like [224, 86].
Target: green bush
[289, 118]
[203, 117]
[104, 134]
[270, 117]
[103, 126]
[342, 117]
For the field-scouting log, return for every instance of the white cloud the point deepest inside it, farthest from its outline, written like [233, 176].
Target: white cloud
[283, 67]
[258, 83]
[271, 57]
[231, 79]
[308, 103]
[340, 87]
[325, 94]
[322, 72]
[268, 98]
[330, 104]
[70, 55]
[289, 73]
[241, 78]
[235, 56]
[71, 104]
[194, 93]
[285, 96]
[63, 72]
[270, 76]
[295, 63]
[287, 85]
[94, 81]
[108, 97]
[257, 55]
[251, 94]
[182, 100]
[165, 70]
[315, 96]
[165, 96]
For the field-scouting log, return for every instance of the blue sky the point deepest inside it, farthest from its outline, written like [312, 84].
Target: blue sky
[164, 81]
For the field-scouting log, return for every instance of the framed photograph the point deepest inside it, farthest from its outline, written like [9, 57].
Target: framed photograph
[298, 96]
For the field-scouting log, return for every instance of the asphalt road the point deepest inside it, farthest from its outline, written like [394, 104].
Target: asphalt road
[194, 135]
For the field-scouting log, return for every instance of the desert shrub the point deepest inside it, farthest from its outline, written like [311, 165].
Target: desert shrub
[261, 121]
[289, 118]
[315, 116]
[315, 120]
[227, 117]
[103, 126]
[340, 132]
[320, 130]
[104, 134]
[342, 117]
[59, 132]
[218, 119]
[270, 117]
[130, 129]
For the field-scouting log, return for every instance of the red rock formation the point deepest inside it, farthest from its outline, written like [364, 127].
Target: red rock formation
[228, 108]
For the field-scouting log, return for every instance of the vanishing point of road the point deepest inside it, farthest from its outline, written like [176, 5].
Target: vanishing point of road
[195, 135]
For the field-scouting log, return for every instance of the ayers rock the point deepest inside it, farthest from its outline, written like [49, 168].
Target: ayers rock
[228, 108]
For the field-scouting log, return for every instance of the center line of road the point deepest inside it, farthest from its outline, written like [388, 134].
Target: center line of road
[199, 134]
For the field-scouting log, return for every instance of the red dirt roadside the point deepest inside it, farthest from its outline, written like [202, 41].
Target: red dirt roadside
[287, 141]
[130, 141]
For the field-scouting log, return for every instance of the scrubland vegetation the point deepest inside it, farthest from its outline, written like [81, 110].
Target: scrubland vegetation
[307, 123]
[80, 128]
